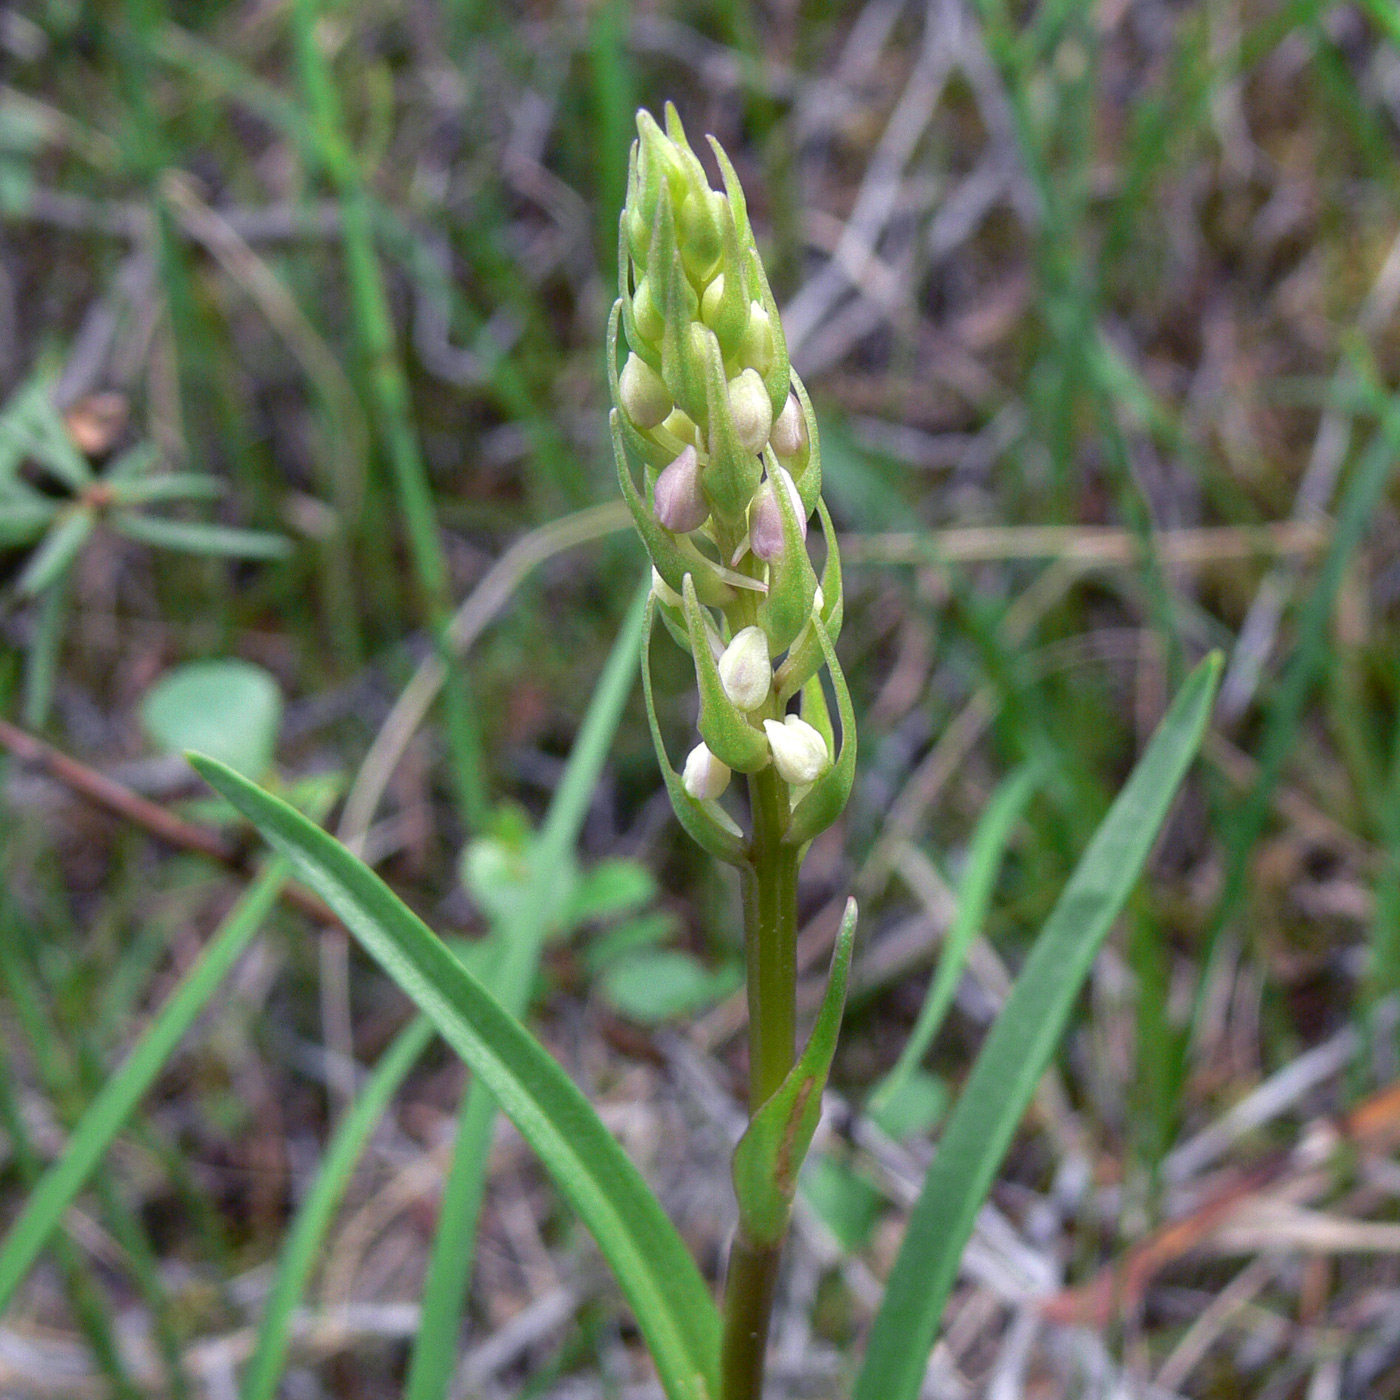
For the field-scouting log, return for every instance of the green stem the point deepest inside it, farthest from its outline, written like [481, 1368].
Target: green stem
[770, 941]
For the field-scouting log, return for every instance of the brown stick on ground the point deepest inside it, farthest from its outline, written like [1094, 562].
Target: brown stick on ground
[118, 799]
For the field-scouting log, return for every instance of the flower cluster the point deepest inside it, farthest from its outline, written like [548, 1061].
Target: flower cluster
[706, 402]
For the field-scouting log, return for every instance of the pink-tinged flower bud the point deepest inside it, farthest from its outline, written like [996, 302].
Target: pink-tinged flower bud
[705, 777]
[745, 670]
[679, 502]
[751, 409]
[643, 392]
[799, 751]
[789, 435]
[766, 518]
[756, 347]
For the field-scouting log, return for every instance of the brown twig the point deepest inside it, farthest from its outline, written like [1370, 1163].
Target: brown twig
[118, 799]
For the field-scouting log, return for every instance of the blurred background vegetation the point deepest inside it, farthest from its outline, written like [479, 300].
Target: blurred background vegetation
[301, 316]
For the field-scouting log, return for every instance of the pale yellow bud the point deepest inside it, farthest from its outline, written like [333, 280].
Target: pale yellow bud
[799, 751]
[756, 348]
[745, 670]
[663, 592]
[643, 392]
[751, 409]
[709, 303]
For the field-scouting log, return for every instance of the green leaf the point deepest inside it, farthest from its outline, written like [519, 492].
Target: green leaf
[31, 426]
[611, 887]
[770, 1154]
[672, 1305]
[171, 486]
[1019, 1048]
[55, 556]
[194, 537]
[845, 1201]
[23, 521]
[229, 709]
[911, 1105]
[44, 1209]
[989, 841]
[653, 985]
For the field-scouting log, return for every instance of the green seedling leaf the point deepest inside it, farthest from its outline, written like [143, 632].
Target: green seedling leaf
[845, 1201]
[610, 888]
[654, 985]
[770, 1154]
[229, 709]
[705, 822]
[670, 1300]
[723, 725]
[630, 936]
[139, 460]
[1019, 1048]
[194, 537]
[910, 1106]
[32, 427]
[172, 486]
[23, 521]
[826, 799]
[54, 557]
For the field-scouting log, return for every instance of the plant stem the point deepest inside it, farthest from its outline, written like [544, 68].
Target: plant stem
[770, 941]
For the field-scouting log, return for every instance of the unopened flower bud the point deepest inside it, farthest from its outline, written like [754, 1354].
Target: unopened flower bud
[678, 500]
[705, 777]
[663, 592]
[766, 518]
[756, 348]
[709, 303]
[751, 409]
[644, 394]
[799, 751]
[789, 435]
[745, 670]
[646, 309]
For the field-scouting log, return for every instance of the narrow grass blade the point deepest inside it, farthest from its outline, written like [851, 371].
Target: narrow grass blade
[1019, 1048]
[317, 1211]
[657, 1276]
[989, 842]
[511, 977]
[55, 1190]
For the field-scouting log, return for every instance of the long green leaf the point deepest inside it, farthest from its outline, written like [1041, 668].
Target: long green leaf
[510, 979]
[54, 1193]
[1019, 1048]
[195, 537]
[672, 1305]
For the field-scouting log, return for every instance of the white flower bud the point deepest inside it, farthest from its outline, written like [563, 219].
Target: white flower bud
[663, 592]
[756, 347]
[751, 409]
[643, 393]
[818, 598]
[745, 670]
[789, 435]
[679, 502]
[799, 751]
[705, 777]
[766, 518]
[709, 303]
